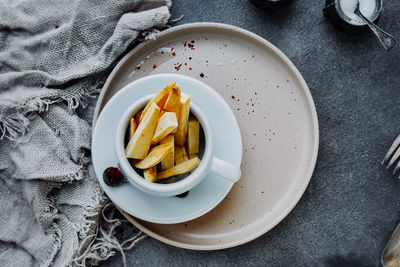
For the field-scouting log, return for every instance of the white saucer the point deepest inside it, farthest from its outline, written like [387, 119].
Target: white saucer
[202, 198]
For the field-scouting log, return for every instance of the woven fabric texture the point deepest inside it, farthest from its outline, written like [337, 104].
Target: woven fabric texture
[54, 56]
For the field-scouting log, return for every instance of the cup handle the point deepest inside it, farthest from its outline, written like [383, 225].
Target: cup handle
[225, 169]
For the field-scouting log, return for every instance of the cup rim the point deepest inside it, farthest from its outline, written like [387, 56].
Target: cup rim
[376, 14]
[156, 188]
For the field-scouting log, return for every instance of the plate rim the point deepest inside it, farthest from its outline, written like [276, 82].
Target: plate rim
[311, 107]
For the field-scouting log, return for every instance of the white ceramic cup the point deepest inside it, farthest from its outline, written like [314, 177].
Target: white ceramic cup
[208, 163]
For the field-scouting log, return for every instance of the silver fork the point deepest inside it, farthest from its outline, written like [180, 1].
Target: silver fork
[393, 154]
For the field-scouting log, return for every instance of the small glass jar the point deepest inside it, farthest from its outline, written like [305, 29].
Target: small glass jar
[334, 12]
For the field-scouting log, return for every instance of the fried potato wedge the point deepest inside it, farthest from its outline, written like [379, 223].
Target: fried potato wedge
[181, 168]
[150, 174]
[159, 99]
[193, 156]
[137, 117]
[173, 102]
[139, 144]
[156, 154]
[168, 161]
[193, 136]
[178, 154]
[166, 124]
[185, 154]
[132, 127]
[168, 181]
[180, 136]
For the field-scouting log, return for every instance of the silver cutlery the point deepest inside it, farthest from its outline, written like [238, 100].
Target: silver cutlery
[393, 155]
[387, 40]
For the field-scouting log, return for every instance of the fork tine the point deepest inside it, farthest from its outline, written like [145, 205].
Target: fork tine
[394, 146]
[397, 166]
[394, 158]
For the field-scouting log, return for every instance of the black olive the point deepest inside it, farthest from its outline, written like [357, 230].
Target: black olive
[112, 176]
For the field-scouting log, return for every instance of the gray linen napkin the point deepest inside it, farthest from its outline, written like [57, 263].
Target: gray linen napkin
[54, 55]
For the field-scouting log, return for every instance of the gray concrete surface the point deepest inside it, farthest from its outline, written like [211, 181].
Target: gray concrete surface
[351, 206]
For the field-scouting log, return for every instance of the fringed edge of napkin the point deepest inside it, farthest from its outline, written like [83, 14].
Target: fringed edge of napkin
[103, 244]
[54, 230]
[16, 123]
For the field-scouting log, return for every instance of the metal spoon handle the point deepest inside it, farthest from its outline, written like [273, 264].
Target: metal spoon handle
[385, 38]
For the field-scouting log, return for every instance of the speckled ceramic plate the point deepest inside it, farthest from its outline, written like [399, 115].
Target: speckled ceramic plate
[276, 116]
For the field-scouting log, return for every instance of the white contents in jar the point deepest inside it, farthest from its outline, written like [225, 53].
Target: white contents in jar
[367, 8]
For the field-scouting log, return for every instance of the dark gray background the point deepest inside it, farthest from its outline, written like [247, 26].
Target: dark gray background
[350, 208]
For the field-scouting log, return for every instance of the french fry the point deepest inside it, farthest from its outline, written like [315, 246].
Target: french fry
[166, 124]
[168, 161]
[150, 174]
[159, 99]
[156, 154]
[139, 144]
[180, 154]
[193, 137]
[137, 117]
[173, 102]
[178, 151]
[132, 127]
[180, 136]
[185, 154]
[166, 121]
[181, 168]
[168, 181]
